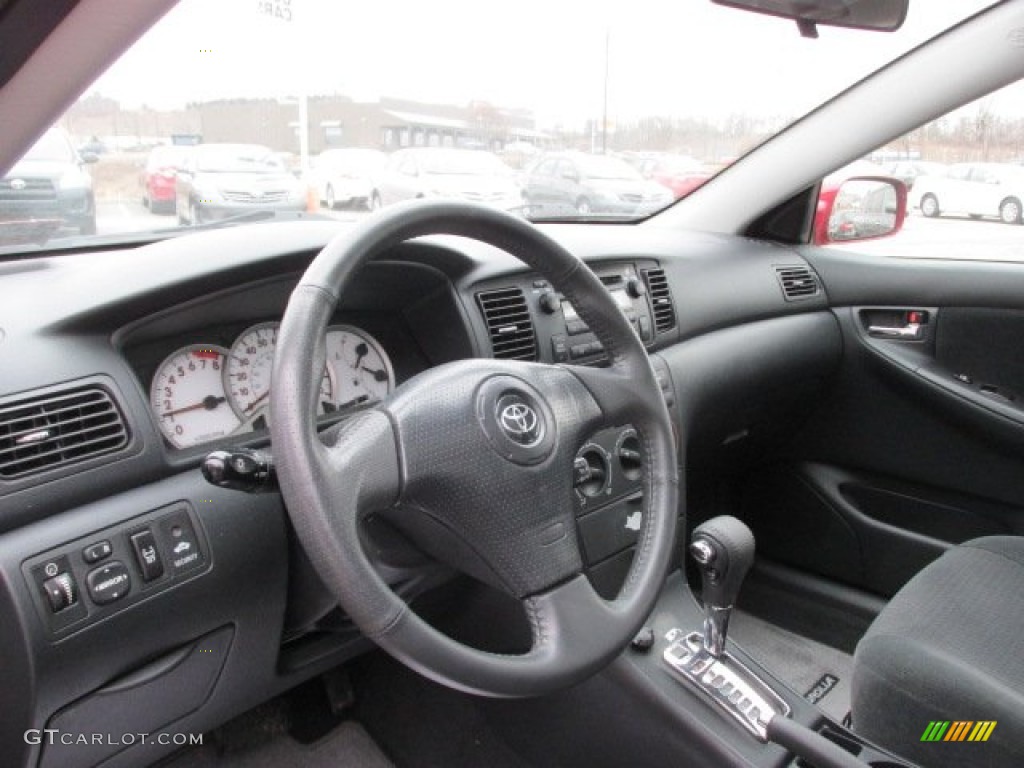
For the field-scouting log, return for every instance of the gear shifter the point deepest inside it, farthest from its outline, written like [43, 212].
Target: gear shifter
[723, 548]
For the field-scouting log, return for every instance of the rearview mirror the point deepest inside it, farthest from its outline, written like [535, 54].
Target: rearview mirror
[877, 15]
[860, 209]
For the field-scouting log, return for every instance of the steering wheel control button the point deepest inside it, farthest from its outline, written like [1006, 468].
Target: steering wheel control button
[96, 552]
[518, 423]
[108, 583]
[151, 566]
[181, 543]
[60, 592]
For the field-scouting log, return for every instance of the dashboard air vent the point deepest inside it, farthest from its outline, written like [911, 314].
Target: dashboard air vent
[46, 431]
[508, 324]
[798, 282]
[661, 300]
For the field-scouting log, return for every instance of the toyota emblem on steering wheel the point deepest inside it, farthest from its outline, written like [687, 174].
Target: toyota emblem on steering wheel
[520, 422]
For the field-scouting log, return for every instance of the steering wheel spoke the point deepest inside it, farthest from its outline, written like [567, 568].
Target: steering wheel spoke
[615, 392]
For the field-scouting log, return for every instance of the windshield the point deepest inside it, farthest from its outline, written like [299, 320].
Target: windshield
[466, 163]
[52, 147]
[352, 160]
[667, 91]
[236, 159]
[603, 167]
[165, 157]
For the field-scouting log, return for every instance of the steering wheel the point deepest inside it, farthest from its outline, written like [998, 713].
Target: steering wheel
[474, 461]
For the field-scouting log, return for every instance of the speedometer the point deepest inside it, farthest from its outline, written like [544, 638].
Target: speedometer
[247, 375]
[362, 370]
[188, 398]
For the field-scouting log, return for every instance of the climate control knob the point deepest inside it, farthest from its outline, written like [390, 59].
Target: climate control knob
[549, 302]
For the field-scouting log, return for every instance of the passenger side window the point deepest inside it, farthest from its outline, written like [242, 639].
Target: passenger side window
[964, 174]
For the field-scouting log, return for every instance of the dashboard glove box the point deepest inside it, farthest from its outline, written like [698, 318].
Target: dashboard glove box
[112, 718]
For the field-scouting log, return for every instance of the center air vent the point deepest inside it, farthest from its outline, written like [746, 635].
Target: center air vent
[798, 282]
[47, 431]
[508, 324]
[661, 300]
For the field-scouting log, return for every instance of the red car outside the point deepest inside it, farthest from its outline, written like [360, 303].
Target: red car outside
[680, 173]
[158, 178]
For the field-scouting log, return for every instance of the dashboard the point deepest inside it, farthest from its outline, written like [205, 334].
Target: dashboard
[120, 564]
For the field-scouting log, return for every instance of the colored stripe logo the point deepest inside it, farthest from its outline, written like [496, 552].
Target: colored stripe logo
[958, 730]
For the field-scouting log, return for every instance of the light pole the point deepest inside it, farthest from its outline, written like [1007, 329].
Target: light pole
[604, 111]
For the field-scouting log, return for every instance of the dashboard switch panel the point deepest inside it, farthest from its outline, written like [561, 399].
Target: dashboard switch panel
[137, 559]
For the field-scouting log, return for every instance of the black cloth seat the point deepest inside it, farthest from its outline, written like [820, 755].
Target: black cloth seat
[949, 647]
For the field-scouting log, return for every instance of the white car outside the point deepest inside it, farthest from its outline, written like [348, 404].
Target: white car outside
[975, 189]
[346, 176]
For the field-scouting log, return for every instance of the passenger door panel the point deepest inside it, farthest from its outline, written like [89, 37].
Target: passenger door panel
[920, 444]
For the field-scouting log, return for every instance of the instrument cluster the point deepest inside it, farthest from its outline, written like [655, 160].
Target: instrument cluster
[201, 393]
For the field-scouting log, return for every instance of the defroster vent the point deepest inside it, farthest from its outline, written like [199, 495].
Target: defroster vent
[798, 282]
[509, 324]
[43, 432]
[661, 300]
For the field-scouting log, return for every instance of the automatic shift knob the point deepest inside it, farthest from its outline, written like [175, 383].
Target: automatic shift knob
[723, 548]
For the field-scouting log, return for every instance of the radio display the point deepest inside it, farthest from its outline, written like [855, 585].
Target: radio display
[620, 296]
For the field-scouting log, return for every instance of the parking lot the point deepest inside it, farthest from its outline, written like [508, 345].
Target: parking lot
[120, 216]
[949, 238]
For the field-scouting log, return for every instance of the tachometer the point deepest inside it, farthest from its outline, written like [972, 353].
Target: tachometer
[362, 370]
[188, 398]
[247, 375]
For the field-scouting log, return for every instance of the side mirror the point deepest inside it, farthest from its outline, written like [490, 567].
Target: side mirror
[89, 157]
[861, 208]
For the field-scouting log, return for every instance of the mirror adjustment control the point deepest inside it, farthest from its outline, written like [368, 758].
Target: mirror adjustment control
[108, 583]
[60, 592]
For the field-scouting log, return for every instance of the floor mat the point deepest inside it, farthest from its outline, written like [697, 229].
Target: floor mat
[347, 746]
[810, 668]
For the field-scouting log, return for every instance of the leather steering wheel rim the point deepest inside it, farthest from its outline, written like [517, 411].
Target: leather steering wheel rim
[477, 487]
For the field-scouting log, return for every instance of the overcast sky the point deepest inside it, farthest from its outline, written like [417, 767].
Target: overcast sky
[681, 57]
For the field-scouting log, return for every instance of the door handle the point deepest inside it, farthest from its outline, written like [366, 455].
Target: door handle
[908, 331]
